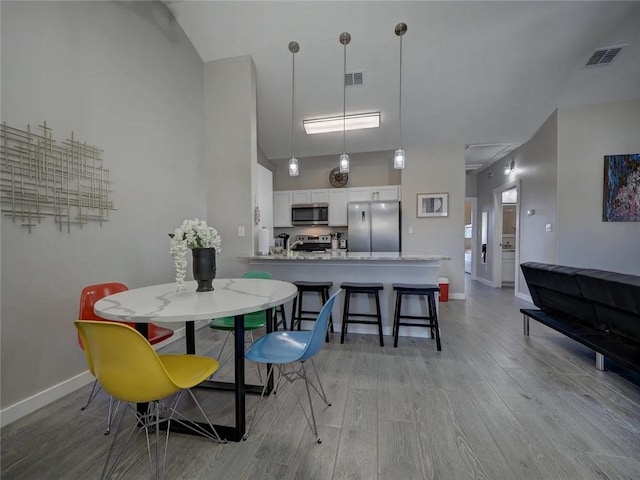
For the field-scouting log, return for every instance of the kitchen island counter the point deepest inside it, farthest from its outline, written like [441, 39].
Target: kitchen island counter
[349, 256]
[365, 267]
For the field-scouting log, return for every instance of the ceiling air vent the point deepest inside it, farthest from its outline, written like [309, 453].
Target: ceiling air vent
[353, 79]
[604, 56]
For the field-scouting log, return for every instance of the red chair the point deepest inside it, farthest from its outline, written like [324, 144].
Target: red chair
[89, 296]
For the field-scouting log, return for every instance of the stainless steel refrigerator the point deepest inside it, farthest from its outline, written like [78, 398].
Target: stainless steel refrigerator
[373, 226]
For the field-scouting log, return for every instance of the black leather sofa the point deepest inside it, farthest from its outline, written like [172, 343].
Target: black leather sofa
[597, 308]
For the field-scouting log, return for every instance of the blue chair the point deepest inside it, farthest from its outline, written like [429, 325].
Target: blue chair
[283, 348]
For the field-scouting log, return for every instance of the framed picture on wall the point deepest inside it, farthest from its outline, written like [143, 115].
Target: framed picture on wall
[433, 205]
[620, 201]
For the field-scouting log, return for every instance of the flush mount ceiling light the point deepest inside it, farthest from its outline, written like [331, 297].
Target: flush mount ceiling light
[345, 38]
[293, 161]
[399, 156]
[338, 124]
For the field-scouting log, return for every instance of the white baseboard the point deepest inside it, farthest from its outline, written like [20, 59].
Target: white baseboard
[524, 296]
[34, 402]
[40, 399]
[457, 296]
[485, 281]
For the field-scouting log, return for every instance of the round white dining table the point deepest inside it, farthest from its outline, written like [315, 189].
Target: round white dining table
[231, 297]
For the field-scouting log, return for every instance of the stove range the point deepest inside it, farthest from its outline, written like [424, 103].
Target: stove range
[313, 243]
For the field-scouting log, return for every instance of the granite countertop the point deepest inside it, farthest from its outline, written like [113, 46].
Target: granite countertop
[351, 256]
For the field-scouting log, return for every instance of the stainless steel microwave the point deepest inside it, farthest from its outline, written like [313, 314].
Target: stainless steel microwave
[310, 214]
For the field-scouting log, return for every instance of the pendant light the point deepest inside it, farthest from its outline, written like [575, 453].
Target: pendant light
[345, 38]
[293, 161]
[399, 156]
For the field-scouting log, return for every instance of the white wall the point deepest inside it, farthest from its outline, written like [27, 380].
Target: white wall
[124, 77]
[436, 170]
[537, 166]
[585, 135]
[471, 185]
[231, 157]
[536, 169]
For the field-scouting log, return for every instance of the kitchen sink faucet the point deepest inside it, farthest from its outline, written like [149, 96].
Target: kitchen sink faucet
[289, 246]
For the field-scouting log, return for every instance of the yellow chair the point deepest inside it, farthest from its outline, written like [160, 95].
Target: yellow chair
[88, 297]
[128, 368]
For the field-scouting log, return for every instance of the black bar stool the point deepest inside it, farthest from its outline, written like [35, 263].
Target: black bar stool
[279, 312]
[427, 290]
[368, 289]
[297, 313]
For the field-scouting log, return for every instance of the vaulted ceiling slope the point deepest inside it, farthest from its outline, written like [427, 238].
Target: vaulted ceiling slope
[474, 72]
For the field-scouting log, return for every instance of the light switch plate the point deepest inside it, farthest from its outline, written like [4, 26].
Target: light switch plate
[410, 230]
[241, 231]
[547, 227]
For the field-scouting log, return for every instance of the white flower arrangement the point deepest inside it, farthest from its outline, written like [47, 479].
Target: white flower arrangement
[191, 234]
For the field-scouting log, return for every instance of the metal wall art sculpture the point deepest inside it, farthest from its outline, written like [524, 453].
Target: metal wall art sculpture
[41, 178]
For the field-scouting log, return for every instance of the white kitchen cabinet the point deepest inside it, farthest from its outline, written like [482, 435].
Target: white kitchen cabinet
[320, 196]
[387, 192]
[337, 208]
[337, 198]
[508, 267]
[282, 208]
[359, 194]
[301, 196]
[366, 194]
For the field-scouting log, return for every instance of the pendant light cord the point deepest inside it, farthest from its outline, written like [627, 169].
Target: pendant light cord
[400, 97]
[344, 101]
[293, 86]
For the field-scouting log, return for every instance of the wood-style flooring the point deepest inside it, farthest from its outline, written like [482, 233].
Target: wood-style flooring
[493, 404]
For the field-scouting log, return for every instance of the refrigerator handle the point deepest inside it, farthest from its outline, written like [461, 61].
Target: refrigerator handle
[363, 217]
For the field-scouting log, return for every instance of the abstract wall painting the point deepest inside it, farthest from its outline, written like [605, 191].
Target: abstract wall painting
[621, 193]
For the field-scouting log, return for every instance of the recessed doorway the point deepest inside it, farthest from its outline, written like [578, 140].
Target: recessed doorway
[505, 240]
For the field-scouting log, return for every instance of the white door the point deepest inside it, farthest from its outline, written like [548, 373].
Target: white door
[509, 240]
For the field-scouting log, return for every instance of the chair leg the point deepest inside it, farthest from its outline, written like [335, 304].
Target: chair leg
[290, 377]
[212, 435]
[280, 310]
[112, 412]
[105, 470]
[396, 319]
[92, 394]
[379, 319]
[152, 425]
[313, 417]
[345, 316]
[157, 429]
[292, 325]
[434, 321]
[321, 392]
[260, 400]
[224, 344]
[325, 297]
[299, 318]
[223, 362]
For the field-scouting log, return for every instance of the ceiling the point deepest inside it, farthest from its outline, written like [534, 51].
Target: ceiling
[482, 74]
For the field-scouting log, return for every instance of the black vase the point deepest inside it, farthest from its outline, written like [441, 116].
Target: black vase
[204, 268]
